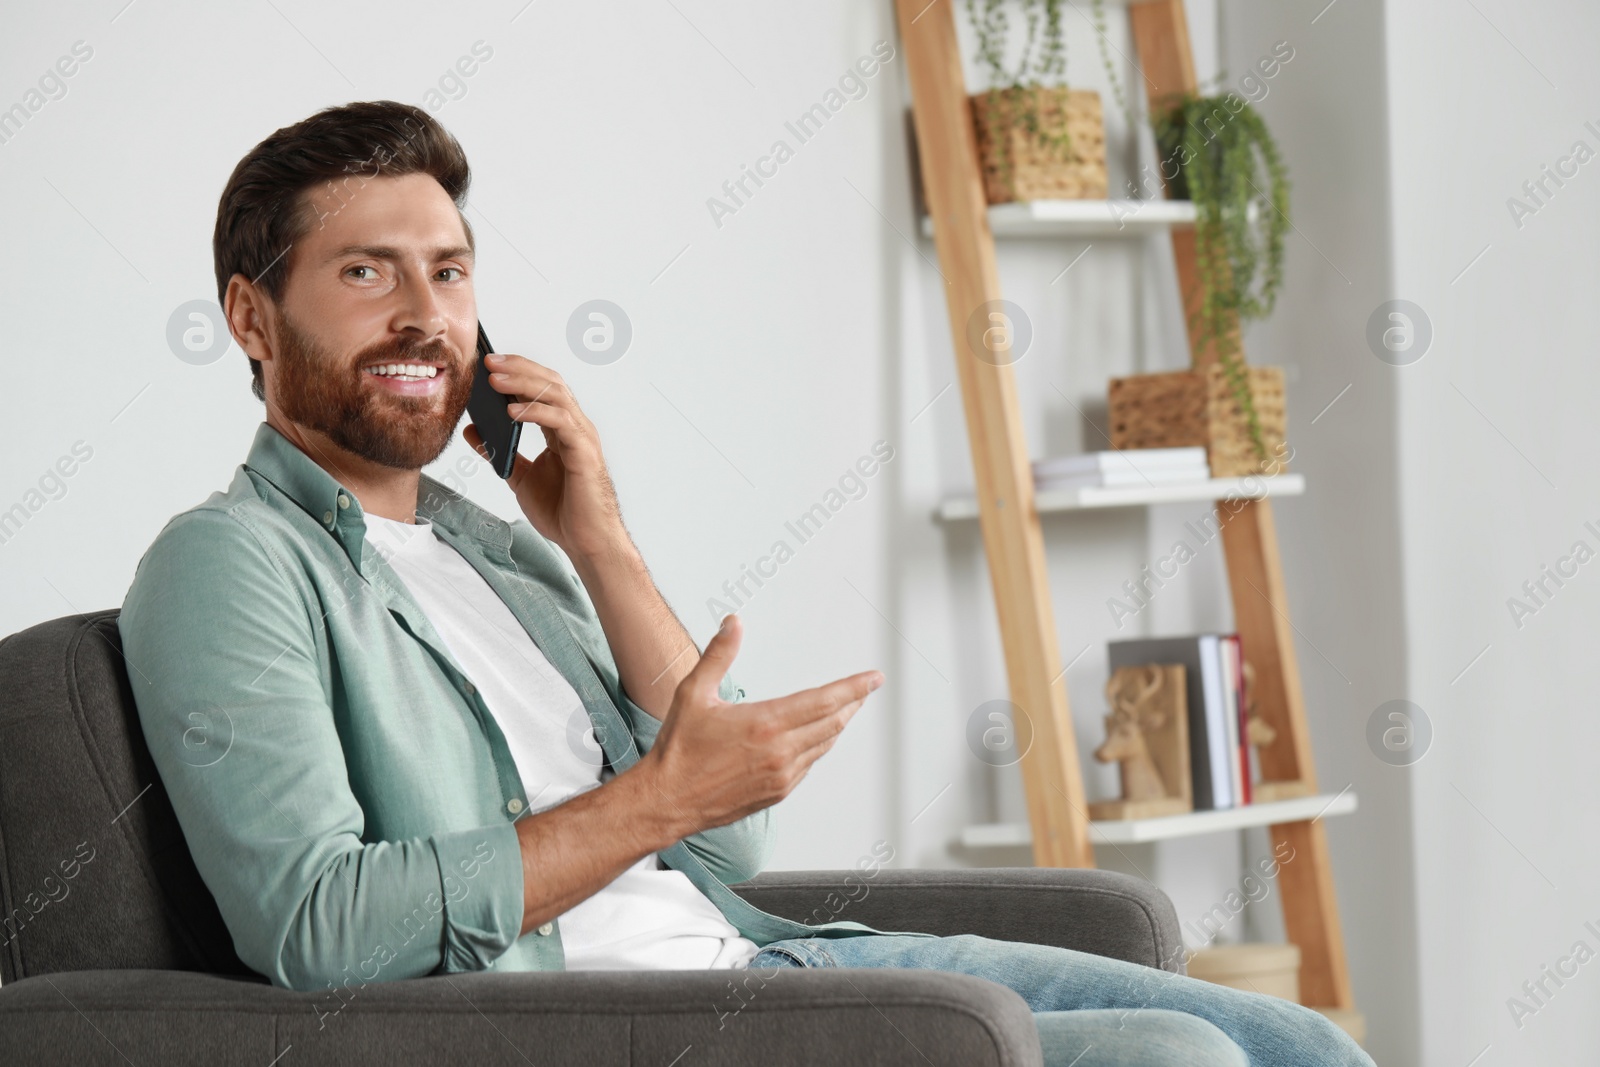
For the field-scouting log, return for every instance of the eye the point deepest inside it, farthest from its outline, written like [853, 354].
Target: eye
[362, 266]
[458, 271]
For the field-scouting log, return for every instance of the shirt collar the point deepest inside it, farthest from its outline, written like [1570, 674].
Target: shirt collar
[336, 509]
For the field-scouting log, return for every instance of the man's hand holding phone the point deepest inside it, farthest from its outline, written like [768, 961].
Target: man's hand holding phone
[715, 762]
[565, 491]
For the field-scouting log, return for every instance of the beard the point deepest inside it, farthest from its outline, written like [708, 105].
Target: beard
[331, 396]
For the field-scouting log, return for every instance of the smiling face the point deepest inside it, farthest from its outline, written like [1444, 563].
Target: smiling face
[385, 281]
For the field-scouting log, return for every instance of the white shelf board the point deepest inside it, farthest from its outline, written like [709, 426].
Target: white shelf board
[1135, 831]
[1084, 218]
[1122, 496]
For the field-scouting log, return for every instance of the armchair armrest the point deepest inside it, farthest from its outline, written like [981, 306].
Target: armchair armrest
[793, 1017]
[1103, 912]
[733, 1018]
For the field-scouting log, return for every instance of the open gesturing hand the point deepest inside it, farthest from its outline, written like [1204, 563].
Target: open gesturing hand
[716, 761]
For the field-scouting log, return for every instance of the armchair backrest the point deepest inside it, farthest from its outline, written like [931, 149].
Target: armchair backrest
[94, 871]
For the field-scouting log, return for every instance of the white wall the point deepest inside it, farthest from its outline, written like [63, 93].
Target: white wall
[1497, 427]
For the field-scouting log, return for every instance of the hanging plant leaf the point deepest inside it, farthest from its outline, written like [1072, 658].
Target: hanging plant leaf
[1217, 152]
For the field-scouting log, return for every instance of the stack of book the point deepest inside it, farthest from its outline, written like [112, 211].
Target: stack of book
[1219, 748]
[1130, 467]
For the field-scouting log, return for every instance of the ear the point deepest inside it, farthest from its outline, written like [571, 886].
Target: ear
[248, 312]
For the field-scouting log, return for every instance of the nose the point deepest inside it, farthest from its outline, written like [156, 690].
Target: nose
[420, 316]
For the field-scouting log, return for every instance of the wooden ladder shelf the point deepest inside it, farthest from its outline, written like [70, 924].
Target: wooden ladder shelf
[1052, 778]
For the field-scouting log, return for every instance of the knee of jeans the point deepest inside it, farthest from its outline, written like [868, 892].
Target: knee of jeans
[1152, 1038]
[1199, 1043]
[1325, 1043]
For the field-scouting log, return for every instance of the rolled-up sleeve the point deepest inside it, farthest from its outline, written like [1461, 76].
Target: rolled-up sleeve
[222, 651]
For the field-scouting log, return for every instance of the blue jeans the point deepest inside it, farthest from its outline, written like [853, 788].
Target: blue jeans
[1097, 1012]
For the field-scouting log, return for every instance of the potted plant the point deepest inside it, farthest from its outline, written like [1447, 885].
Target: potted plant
[1036, 140]
[1218, 153]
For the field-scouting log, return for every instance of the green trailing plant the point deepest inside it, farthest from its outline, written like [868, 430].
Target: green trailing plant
[1004, 109]
[1118, 93]
[1217, 152]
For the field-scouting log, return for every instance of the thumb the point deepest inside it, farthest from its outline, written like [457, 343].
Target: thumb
[706, 675]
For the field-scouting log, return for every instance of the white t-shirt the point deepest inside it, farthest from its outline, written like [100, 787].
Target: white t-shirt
[650, 917]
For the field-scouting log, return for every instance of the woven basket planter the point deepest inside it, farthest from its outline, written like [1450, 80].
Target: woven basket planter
[1196, 407]
[1041, 171]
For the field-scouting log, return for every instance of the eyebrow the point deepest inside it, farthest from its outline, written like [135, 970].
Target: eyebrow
[390, 253]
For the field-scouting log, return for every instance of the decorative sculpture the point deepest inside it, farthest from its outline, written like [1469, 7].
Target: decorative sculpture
[1261, 734]
[1147, 733]
[1256, 729]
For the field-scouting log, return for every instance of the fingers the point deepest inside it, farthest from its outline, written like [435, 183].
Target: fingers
[513, 365]
[819, 737]
[550, 416]
[535, 384]
[808, 705]
[706, 676]
[566, 430]
[814, 753]
[825, 731]
[522, 376]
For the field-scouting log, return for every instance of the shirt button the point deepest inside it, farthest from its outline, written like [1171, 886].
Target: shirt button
[344, 501]
[471, 688]
[514, 805]
[327, 517]
[547, 929]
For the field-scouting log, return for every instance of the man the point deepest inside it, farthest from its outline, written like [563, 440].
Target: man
[369, 699]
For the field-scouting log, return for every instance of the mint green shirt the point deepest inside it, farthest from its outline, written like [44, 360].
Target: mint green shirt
[346, 794]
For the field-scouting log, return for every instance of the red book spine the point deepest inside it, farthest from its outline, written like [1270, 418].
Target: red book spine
[1244, 718]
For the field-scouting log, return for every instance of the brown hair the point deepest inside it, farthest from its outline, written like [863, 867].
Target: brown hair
[264, 210]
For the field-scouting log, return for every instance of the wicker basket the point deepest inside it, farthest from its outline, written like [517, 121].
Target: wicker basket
[1041, 171]
[1196, 407]
[1253, 967]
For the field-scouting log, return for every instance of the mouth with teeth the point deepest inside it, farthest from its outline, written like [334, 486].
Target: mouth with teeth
[408, 378]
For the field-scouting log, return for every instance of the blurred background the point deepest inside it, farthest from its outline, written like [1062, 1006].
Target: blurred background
[774, 345]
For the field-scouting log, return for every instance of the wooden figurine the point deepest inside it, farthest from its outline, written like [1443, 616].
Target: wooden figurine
[1147, 733]
[1256, 729]
[1261, 734]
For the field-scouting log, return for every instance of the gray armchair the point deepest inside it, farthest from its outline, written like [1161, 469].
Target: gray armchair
[112, 950]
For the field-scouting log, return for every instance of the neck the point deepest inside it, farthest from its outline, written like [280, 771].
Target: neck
[382, 491]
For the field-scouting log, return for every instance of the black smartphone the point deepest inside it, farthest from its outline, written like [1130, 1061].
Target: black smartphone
[487, 408]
